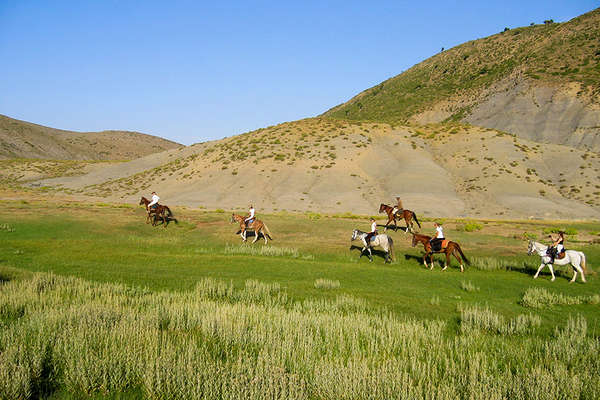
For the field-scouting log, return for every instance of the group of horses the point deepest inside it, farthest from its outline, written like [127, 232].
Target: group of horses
[575, 258]
[448, 247]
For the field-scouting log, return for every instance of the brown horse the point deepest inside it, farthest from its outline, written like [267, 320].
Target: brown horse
[160, 211]
[257, 225]
[408, 216]
[448, 248]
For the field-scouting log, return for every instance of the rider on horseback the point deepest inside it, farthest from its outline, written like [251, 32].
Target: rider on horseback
[398, 207]
[154, 203]
[436, 242]
[557, 246]
[250, 218]
[372, 233]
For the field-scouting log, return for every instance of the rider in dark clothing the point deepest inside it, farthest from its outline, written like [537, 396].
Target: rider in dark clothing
[557, 247]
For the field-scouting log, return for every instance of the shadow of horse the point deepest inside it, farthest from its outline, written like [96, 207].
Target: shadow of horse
[379, 253]
[250, 233]
[169, 219]
[509, 265]
[394, 228]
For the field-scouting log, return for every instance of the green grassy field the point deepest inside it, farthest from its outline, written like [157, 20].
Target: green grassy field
[138, 274]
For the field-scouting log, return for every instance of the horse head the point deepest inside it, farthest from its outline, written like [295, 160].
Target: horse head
[381, 208]
[530, 248]
[354, 234]
[232, 218]
[143, 200]
[414, 240]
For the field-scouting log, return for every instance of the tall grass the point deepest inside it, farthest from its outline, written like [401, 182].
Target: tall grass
[484, 319]
[540, 297]
[223, 342]
[262, 251]
[323, 283]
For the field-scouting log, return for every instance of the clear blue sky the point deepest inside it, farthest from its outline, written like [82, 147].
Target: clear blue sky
[192, 71]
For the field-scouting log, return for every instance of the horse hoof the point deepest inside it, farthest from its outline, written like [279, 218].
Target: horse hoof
[443, 269]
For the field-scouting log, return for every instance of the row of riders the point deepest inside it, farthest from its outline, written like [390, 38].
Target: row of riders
[553, 254]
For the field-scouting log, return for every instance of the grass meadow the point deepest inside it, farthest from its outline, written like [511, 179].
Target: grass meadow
[94, 303]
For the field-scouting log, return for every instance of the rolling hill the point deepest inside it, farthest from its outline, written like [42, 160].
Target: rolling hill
[540, 82]
[20, 139]
[336, 166]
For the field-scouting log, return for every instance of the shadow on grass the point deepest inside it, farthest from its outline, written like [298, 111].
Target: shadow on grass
[375, 252]
[394, 228]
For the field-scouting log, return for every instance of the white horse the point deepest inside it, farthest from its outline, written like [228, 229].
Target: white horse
[382, 240]
[573, 257]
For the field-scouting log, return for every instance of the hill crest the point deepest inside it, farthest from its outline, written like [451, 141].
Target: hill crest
[20, 139]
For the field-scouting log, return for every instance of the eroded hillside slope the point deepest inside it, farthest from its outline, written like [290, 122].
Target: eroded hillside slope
[338, 166]
[540, 82]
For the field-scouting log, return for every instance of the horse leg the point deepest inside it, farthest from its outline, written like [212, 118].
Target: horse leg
[459, 259]
[581, 272]
[552, 272]
[447, 261]
[256, 234]
[539, 270]
[370, 254]
[431, 260]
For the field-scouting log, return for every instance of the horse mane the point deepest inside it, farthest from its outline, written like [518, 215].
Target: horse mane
[421, 236]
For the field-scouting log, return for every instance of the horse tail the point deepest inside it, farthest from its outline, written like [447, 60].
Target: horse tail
[462, 254]
[415, 218]
[583, 262]
[391, 244]
[268, 233]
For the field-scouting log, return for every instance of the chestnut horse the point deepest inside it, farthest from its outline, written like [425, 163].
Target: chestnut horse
[448, 248]
[408, 216]
[162, 212]
[257, 225]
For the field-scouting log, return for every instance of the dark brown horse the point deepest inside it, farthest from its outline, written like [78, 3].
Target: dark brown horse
[408, 216]
[448, 248]
[257, 225]
[160, 211]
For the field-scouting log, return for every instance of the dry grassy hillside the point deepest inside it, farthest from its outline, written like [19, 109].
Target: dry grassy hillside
[338, 166]
[19, 139]
[540, 82]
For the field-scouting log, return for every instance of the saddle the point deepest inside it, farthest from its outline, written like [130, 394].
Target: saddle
[439, 245]
[557, 256]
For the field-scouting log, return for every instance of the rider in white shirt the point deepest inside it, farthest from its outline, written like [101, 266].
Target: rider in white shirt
[154, 201]
[436, 242]
[373, 231]
[250, 218]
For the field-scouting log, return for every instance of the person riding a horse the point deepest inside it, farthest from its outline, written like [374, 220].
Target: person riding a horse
[436, 242]
[557, 247]
[250, 218]
[398, 207]
[373, 231]
[154, 203]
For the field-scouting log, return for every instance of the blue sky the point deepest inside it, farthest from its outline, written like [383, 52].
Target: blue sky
[192, 71]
